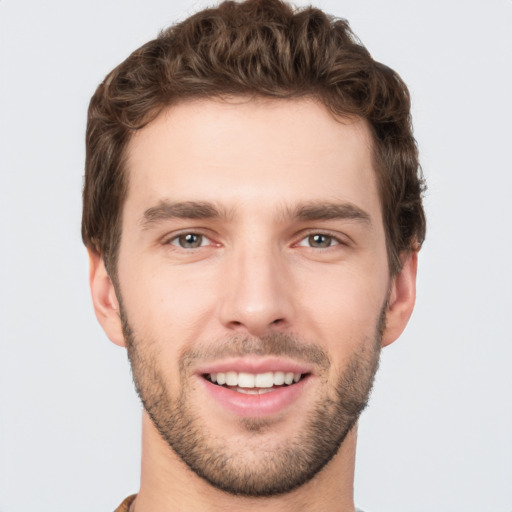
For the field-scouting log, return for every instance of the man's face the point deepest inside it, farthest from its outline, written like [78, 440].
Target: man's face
[253, 285]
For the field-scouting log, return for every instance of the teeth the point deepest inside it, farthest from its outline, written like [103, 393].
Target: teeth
[259, 380]
[253, 391]
[231, 378]
[264, 380]
[278, 378]
[246, 380]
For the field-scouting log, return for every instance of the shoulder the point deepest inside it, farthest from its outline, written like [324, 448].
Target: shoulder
[125, 506]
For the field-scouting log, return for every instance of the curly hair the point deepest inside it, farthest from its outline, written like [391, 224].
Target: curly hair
[261, 48]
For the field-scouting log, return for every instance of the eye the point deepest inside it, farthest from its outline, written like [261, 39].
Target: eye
[189, 240]
[319, 241]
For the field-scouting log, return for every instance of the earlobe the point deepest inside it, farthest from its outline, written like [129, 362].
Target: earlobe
[401, 299]
[104, 298]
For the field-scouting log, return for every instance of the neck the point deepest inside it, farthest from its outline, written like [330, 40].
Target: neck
[168, 484]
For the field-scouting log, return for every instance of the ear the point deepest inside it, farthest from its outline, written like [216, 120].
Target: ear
[401, 299]
[104, 299]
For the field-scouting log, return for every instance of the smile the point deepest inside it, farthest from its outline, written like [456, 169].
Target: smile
[254, 383]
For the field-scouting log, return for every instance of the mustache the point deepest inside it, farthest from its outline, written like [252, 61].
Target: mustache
[271, 344]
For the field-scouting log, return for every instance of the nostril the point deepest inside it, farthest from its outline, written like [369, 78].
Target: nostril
[273, 323]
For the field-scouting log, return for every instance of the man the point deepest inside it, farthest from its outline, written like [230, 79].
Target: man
[253, 213]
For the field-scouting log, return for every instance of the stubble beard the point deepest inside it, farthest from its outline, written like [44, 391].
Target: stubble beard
[271, 468]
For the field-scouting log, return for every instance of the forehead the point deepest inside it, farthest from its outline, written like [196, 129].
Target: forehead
[251, 152]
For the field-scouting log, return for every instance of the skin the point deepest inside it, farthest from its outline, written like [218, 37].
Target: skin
[257, 272]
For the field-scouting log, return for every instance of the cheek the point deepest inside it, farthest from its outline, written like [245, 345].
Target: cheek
[342, 312]
[167, 315]
[167, 303]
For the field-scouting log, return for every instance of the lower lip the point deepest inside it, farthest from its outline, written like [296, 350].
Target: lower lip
[250, 406]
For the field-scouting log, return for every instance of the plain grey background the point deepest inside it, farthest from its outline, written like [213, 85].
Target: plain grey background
[438, 433]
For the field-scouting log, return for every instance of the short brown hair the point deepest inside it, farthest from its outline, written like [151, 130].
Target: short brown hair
[259, 48]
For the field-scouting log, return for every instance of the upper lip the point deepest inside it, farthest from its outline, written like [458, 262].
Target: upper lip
[255, 365]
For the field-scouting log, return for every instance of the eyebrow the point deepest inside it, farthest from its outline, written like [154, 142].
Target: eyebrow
[315, 211]
[166, 210]
[331, 211]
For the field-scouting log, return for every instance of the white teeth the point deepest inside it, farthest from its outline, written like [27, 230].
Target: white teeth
[246, 391]
[253, 391]
[264, 380]
[278, 378]
[246, 380]
[259, 380]
[232, 379]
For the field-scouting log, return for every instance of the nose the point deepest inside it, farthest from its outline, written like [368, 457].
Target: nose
[257, 291]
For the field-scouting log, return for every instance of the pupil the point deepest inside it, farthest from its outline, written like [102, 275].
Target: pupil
[190, 240]
[319, 240]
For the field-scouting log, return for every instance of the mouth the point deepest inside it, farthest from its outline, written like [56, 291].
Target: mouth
[255, 387]
[254, 383]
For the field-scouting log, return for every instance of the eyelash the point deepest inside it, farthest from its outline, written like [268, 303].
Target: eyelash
[333, 240]
[181, 236]
[307, 238]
